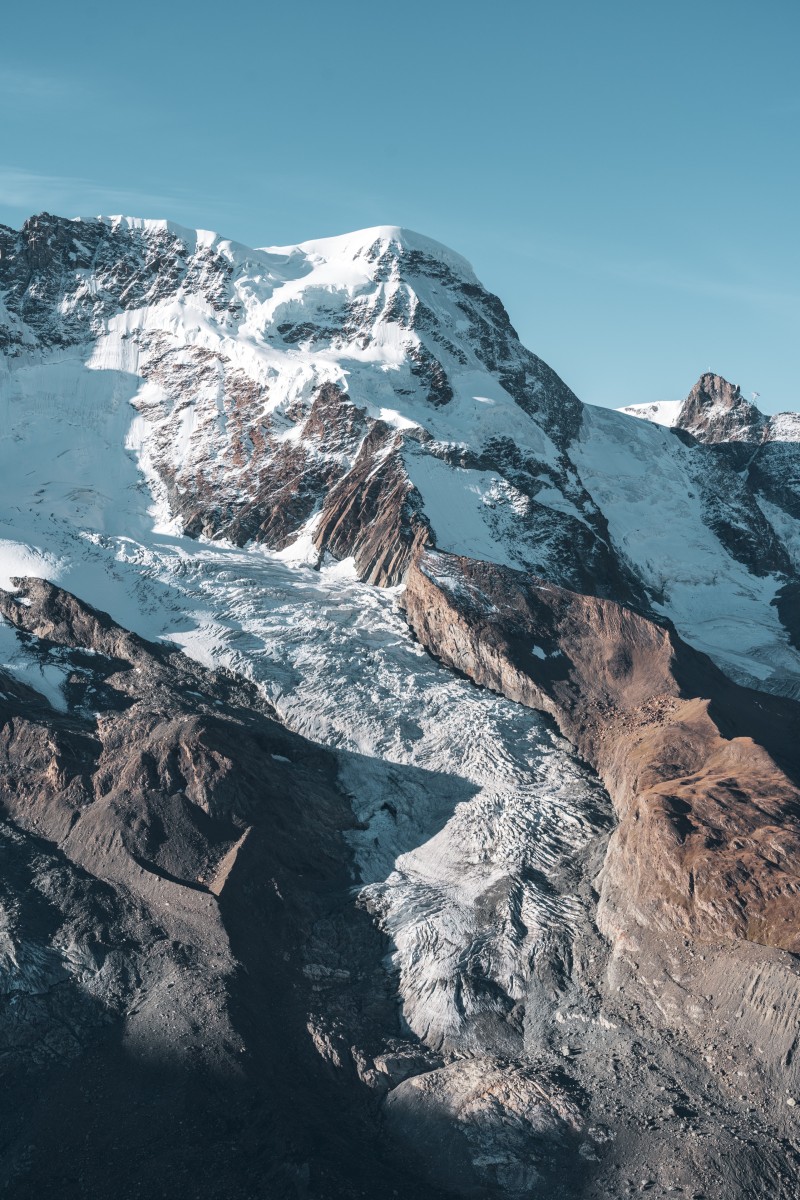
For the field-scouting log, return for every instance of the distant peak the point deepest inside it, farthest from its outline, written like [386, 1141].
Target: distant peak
[716, 411]
[715, 391]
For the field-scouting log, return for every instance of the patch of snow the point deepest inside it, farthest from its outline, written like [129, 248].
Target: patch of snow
[27, 664]
[457, 502]
[661, 412]
[302, 551]
[18, 560]
[784, 427]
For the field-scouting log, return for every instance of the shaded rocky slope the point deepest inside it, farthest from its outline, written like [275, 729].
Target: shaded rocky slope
[169, 850]
[198, 1005]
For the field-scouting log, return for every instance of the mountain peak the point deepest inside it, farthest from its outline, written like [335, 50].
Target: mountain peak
[375, 242]
[716, 411]
[715, 391]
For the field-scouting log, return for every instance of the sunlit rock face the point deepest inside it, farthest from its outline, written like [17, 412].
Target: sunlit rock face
[291, 904]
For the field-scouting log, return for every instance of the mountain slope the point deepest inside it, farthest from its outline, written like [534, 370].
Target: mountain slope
[703, 773]
[152, 1030]
[366, 395]
[225, 449]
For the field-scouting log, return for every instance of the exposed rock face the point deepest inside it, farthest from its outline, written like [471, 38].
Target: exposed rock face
[698, 886]
[97, 267]
[766, 449]
[373, 513]
[697, 766]
[716, 411]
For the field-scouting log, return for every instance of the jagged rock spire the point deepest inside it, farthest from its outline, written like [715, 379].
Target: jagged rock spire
[716, 411]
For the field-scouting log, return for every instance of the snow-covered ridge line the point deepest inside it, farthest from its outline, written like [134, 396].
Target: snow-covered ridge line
[660, 412]
[374, 240]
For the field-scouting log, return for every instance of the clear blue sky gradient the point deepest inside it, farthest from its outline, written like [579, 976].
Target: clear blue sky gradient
[623, 174]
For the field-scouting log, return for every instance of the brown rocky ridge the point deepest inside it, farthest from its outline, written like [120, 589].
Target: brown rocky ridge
[702, 771]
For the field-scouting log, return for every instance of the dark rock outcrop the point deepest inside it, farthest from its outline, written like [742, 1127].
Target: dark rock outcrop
[374, 513]
[716, 411]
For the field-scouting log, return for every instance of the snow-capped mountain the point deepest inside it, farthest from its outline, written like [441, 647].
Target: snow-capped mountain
[375, 881]
[366, 396]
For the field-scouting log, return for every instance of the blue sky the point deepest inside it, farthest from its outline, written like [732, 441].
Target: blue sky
[624, 175]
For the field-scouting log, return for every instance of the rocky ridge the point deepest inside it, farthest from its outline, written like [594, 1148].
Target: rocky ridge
[697, 888]
[702, 771]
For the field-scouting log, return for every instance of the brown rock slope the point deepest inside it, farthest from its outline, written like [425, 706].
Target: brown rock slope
[702, 771]
[170, 856]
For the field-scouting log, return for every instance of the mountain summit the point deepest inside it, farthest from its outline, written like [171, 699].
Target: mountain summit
[716, 411]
